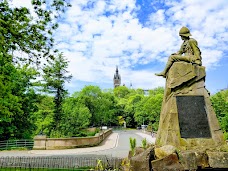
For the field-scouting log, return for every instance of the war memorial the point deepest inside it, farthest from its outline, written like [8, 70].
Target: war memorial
[189, 136]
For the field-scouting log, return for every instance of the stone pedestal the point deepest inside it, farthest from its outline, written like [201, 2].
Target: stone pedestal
[186, 81]
[40, 142]
[189, 135]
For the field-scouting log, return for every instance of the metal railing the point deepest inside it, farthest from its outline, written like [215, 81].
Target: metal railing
[52, 162]
[12, 144]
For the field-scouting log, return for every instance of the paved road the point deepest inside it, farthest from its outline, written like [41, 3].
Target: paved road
[123, 144]
[116, 145]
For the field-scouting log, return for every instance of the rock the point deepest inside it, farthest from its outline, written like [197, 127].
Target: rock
[164, 151]
[218, 159]
[143, 160]
[179, 74]
[138, 150]
[191, 160]
[168, 163]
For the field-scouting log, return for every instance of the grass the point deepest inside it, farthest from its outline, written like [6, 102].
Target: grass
[44, 169]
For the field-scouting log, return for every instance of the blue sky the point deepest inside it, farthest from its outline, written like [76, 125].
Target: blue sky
[138, 36]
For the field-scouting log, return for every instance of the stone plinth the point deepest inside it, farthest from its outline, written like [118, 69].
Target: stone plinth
[40, 142]
[186, 79]
[218, 159]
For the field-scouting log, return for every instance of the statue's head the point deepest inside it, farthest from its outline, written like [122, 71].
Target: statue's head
[184, 31]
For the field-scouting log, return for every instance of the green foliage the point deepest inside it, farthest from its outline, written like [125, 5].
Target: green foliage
[100, 104]
[159, 90]
[226, 135]
[31, 35]
[90, 96]
[144, 143]
[17, 100]
[121, 120]
[131, 107]
[136, 108]
[54, 77]
[149, 108]
[44, 116]
[21, 31]
[121, 92]
[220, 105]
[132, 145]
[76, 117]
[99, 165]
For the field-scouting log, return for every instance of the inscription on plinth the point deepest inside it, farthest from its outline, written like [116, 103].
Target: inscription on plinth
[192, 117]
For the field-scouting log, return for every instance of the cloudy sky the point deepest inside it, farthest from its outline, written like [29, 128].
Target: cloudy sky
[138, 36]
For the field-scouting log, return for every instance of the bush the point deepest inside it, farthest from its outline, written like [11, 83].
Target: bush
[132, 145]
[85, 133]
[144, 143]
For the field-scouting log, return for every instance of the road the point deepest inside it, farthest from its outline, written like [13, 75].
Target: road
[116, 145]
[110, 152]
[123, 144]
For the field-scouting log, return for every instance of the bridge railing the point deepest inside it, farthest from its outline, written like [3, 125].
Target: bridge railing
[12, 144]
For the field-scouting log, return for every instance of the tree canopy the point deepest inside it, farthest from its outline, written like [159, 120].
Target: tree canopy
[220, 105]
[28, 31]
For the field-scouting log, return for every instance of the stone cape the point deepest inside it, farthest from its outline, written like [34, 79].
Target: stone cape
[186, 79]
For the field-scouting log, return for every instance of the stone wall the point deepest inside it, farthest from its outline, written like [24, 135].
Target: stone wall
[44, 143]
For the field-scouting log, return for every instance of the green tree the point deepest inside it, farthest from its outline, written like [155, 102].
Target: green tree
[108, 110]
[158, 90]
[32, 35]
[130, 109]
[21, 31]
[17, 99]
[120, 110]
[91, 96]
[102, 105]
[43, 117]
[54, 77]
[149, 108]
[121, 91]
[220, 105]
[25, 91]
[76, 117]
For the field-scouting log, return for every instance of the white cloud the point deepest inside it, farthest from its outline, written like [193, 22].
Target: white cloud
[141, 79]
[24, 3]
[97, 35]
[211, 57]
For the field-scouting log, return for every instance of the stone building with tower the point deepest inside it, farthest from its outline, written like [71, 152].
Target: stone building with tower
[117, 82]
[117, 78]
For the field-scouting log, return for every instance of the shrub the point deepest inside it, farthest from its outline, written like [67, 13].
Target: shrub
[132, 145]
[144, 143]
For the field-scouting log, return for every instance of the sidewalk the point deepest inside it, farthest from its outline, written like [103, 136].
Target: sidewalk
[148, 137]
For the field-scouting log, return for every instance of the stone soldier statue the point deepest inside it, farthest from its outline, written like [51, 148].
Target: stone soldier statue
[189, 48]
